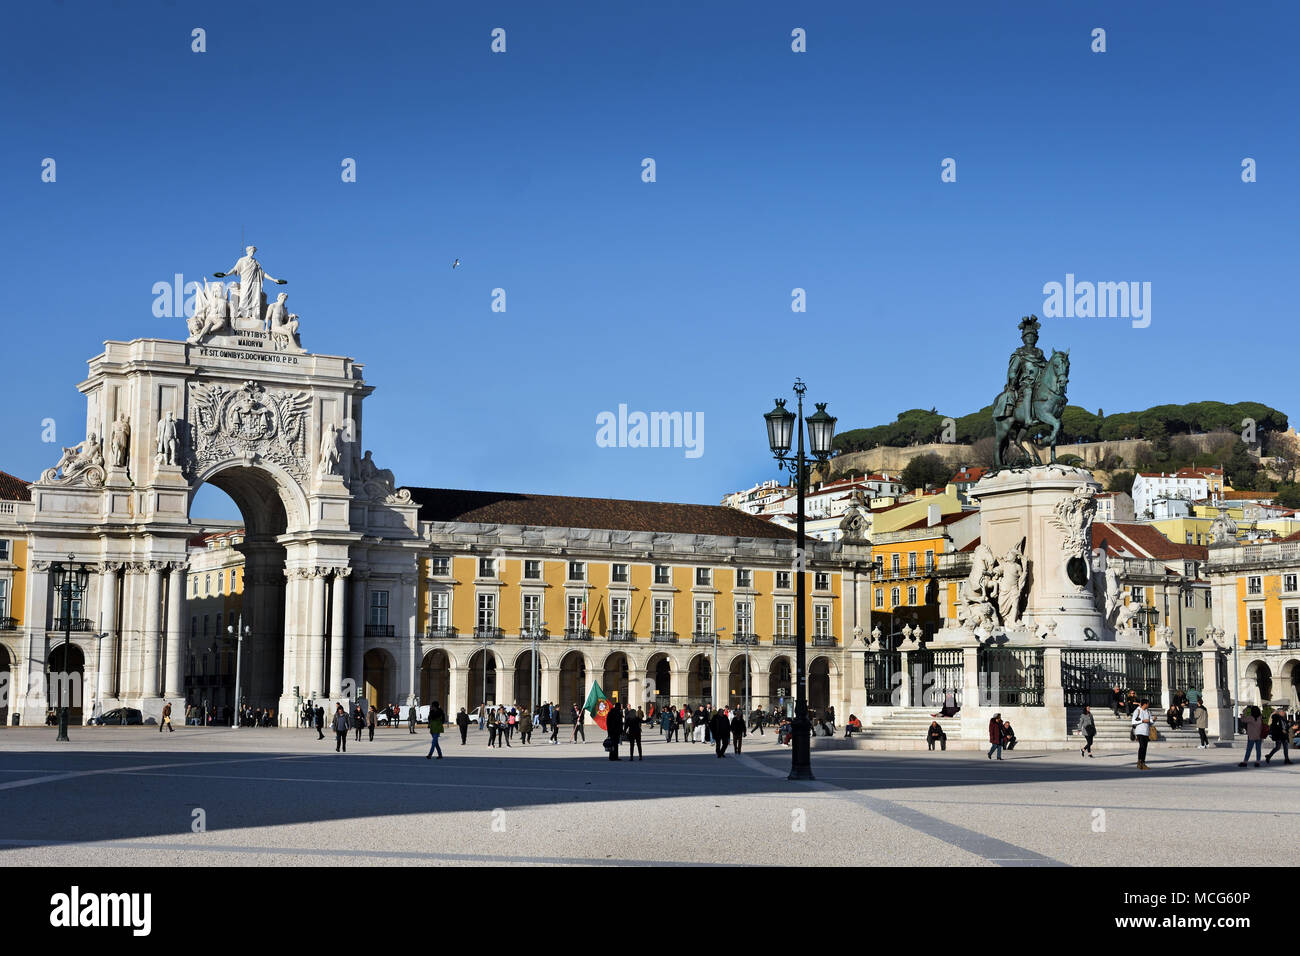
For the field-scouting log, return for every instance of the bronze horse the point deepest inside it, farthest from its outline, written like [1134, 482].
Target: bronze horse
[1046, 404]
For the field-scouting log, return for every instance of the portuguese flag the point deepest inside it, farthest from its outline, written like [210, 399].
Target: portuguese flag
[597, 705]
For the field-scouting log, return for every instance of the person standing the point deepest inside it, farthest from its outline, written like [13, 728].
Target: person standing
[720, 729]
[358, 720]
[613, 731]
[524, 723]
[1254, 727]
[555, 725]
[737, 730]
[1202, 718]
[1278, 733]
[995, 736]
[320, 722]
[579, 725]
[370, 722]
[1087, 727]
[340, 729]
[436, 718]
[632, 727]
[666, 723]
[411, 718]
[462, 723]
[166, 718]
[1142, 731]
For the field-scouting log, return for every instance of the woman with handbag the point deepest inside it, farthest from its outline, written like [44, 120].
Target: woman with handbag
[1087, 728]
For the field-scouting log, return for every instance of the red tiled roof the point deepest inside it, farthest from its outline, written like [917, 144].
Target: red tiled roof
[1142, 541]
[973, 545]
[1249, 495]
[607, 514]
[13, 489]
[969, 474]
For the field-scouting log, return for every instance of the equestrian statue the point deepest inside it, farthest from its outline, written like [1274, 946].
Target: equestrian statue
[1032, 403]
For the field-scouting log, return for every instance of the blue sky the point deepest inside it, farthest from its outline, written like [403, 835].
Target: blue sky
[775, 170]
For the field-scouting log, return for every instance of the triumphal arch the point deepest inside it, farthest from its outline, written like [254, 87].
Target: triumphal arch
[241, 405]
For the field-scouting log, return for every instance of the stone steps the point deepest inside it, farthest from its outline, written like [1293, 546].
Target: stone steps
[910, 723]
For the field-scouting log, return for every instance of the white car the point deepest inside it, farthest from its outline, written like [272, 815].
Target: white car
[421, 716]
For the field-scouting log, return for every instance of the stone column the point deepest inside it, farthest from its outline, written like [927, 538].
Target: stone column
[407, 622]
[175, 682]
[108, 644]
[293, 622]
[1220, 717]
[1166, 693]
[905, 689]
[973, 702]
[337, 638]
[457, 690]
[357, 639]
[152, 631]
[857, 695]
[33, 698]
[316, 634]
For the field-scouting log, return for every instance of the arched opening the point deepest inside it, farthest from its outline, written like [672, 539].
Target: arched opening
[1291, 682]
[380, 679]
[573, 681]
[780, 687]
[435, 680]
[659, 674]
[527, 674]
[67, 674]
[614, 678]
[740, 684]
[7, 668]
[483, 679]
[1260, 682]
[236, 578]
[819, 686]
[699, 681]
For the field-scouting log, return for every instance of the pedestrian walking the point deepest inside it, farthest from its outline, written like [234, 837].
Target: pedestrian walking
[370, 722]
[1142, 722]
[320, 722]
[720, 729]
[613, 731]
[995, 736]
[579, 725]
[1087, 727]
[436, 718]
[340, 725]
[524, 724]
[632, 728]
[462, 724]
[492, 728]
[166, 718]
[1254, 725]
[358, 720]
[1202, 718]
[737, 730]
[757, 719]
[1277, 732]
[411, 719]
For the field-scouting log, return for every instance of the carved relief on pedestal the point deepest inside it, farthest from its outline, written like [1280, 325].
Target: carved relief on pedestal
[376, 484]
[251, 423]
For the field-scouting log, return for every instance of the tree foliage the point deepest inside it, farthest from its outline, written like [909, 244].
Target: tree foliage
[926, 471]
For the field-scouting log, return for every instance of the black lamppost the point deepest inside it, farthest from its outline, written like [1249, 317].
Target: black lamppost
[781, 423]
[66, 580]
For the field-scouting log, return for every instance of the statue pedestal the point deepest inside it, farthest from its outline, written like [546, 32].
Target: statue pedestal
[1026, 505]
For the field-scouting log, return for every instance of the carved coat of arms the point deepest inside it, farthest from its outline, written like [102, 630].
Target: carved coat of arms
[250, 422]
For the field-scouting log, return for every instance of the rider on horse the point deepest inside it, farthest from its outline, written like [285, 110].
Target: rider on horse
[1027, 363]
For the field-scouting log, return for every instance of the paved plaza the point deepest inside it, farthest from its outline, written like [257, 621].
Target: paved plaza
[133, 796]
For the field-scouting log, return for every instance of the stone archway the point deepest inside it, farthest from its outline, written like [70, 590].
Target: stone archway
[614, 677]
[527, 672]
[659, 679]
[483, 683]
[573, 681]
[819, 685]
[1259, 682]
[8, 668]
[780, 684]
[380, 678]
[699, 680]
[1290, 683]
[67, 680]
[740, 684]
[435, 679]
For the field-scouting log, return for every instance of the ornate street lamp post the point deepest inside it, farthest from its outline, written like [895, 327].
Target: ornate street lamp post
[67, 579]
[238, 632]
[781, 423]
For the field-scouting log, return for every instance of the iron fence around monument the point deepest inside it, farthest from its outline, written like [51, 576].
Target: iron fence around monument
[941, 670]
[1186, 671]
[881, 666]
[1089, 676]
[1011, 676]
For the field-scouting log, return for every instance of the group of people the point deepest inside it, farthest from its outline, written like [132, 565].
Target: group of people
[701, 725]
[1001, 736]
[1282, 729]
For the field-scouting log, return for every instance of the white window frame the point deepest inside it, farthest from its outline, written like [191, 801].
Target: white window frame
[530, 613]
[662, 615]
[821, 620]
[439, 610]
[783, 619]
[530, 564]
[704, 617]
[744, 617]
[663, 574]
[440, 566]
[378, 608]
[744, 578]
[573, 612]
[618, 568]
[880, 597]
[486, 609]
[1254, 584]
[618, 613]
[783, 576]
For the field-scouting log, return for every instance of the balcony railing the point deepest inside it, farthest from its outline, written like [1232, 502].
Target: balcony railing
[703, 637]
[75, 624]
[484, 633]
[744, 638]
[8, 623]
[664, 637]
[785, 640]
[577, 633]
[441, 633]
[379, 630]
[1256, 643]
[1290, 643]
[540, 633]
[621, 635]
[823, 640]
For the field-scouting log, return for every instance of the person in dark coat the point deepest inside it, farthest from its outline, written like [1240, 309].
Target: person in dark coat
[370, 722]
[936, 734]
[320, 723]
[737, 731]
[1087, 728]
[358, 720]
[995, 736]
[1116, 700]
[1278, 732]
[632, 727]
[613, 731]
[720, 728]
[462, 722]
